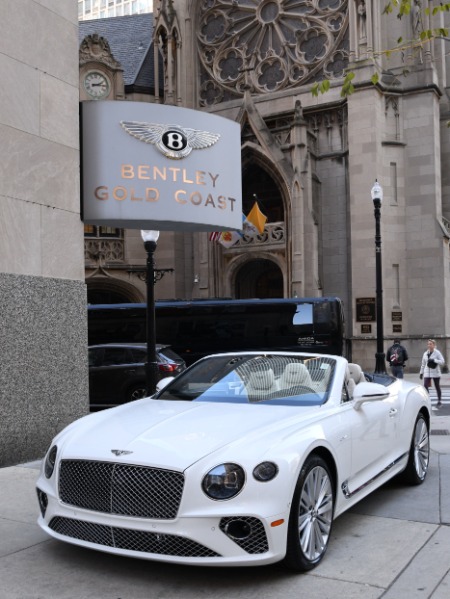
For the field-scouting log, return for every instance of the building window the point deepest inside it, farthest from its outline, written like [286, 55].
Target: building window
[92, 231]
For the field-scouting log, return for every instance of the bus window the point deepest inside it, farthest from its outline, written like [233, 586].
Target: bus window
[303, 315]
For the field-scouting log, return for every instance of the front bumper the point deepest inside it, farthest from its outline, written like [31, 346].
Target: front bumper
[226, 539]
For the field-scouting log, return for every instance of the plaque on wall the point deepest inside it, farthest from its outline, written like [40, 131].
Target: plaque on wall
[396, 328]
[365, 309]
[366, 329]
[397, 316]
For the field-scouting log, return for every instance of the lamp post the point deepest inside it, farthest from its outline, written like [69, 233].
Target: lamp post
[150, 238]
[377, 197]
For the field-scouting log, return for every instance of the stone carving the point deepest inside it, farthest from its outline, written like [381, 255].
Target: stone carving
[362, 21]
[96, 48]
[269, 45]
[416, 15]
[104, 250]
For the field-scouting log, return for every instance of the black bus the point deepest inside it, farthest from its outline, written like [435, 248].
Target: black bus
[197, 328]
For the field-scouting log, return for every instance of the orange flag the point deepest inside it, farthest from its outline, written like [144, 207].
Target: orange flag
[256, 218]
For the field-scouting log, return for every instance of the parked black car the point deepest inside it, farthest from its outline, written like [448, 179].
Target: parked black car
[117, 371]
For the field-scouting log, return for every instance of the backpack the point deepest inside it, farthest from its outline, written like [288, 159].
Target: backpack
[396, 355]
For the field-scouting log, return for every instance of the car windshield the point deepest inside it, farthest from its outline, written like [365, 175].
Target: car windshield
[268, 379]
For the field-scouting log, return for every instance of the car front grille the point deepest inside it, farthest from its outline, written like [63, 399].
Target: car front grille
[121, 489]
[132, 540]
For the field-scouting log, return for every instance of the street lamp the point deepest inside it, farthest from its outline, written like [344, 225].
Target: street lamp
[377, 197]
[150, 238]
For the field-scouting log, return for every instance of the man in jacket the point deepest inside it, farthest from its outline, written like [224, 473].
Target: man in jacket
[396, 356]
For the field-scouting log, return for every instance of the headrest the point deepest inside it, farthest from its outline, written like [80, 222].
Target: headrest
[295, 373]
[356, 373]
[262, 379]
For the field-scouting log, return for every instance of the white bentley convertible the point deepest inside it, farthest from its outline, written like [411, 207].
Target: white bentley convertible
[243, 459]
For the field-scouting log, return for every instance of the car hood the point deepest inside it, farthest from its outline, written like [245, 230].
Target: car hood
[176, 434]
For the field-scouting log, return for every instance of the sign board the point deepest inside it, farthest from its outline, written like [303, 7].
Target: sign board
[149, 166]
[366, 329]
[396, 328]
[396, 316]
[365, 309]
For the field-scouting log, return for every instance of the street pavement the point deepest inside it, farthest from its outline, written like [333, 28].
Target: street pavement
[395, 544]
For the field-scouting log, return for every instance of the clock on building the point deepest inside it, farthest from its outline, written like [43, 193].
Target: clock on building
[96, 84]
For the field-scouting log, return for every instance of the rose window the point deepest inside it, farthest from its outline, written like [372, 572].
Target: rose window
[268, 45]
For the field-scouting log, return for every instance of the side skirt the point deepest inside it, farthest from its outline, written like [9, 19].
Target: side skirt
[350, 494]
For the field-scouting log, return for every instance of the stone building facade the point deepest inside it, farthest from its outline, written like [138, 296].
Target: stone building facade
[43, 369]
[312, 160]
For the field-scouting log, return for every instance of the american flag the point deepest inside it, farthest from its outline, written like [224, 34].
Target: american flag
[214, 236]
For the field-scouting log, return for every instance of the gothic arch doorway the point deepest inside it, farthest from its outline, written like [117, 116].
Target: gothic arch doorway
[102, 290]
[259, 278]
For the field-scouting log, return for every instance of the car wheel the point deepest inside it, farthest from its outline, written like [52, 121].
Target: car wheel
[311, 516]
[419, 453]
[136, 392]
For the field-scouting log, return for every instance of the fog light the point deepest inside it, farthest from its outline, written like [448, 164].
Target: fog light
[238, 529]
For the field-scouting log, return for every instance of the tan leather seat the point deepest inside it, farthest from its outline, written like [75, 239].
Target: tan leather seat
[356, 373]
[294, 374]
[261, 383]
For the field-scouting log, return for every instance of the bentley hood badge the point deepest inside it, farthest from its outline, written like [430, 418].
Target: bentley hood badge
[120, 452]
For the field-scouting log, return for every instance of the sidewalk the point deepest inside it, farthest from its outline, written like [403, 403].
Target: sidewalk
[395, 544]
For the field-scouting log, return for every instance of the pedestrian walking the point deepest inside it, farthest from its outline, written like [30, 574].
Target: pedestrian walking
[430, 369]
[397, 356]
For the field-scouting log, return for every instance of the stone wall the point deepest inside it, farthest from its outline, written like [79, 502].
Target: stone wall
[43, 341]
[43, 370]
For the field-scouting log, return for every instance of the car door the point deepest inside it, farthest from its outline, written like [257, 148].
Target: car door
[107, 377]
[373, 438]
[96, 375]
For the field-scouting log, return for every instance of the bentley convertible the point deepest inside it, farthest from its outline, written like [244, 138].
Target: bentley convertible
[243, 459]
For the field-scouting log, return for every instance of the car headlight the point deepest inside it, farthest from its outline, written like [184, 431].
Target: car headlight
[265, 471]
[224, 481]
[50, 460]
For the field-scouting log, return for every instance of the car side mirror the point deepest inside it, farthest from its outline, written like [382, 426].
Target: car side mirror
[368, 392]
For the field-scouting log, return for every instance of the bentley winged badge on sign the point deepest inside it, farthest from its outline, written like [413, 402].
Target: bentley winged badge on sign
[171, 140]
[148, 166]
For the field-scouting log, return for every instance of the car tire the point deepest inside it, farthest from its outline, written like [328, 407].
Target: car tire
[311, 516]
[136, 392]
[419, 453]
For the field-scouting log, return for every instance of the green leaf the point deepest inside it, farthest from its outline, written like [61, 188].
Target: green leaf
[375, 78]
[325, 86]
